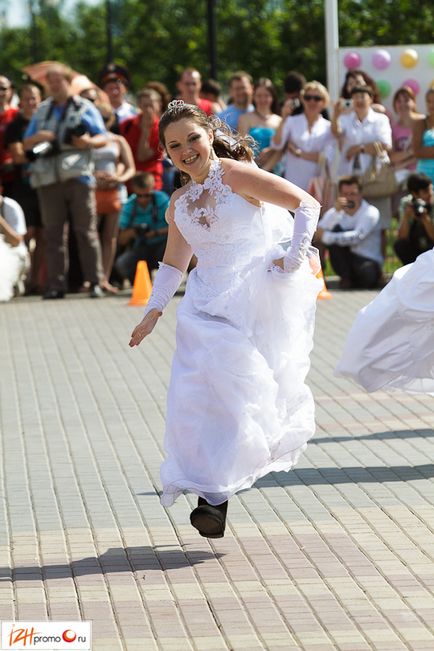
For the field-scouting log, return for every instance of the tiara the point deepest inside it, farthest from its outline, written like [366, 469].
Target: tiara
[176, 103]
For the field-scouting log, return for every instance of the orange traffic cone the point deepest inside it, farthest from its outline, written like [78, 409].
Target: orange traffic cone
[324, 293]
[142, 285]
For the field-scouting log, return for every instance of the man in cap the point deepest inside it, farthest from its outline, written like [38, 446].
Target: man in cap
[115, 81]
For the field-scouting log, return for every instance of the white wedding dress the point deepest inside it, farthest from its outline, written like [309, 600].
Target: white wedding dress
[9, 271]
[391, 342]
[238, 406]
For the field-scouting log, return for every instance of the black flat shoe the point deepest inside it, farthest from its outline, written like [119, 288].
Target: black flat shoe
[210, 521]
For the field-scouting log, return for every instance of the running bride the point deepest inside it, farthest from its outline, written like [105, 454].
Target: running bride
[238, 406]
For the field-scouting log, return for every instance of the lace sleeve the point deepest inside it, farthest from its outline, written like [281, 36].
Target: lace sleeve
[305, 223]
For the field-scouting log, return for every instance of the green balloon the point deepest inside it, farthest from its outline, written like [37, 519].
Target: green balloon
[384, 87]
[431, 57]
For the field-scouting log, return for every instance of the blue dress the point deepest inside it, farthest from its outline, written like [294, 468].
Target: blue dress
[426, 165]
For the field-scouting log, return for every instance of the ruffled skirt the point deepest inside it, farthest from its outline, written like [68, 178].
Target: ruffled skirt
[391, 343]
[9, 271]
[238, 406]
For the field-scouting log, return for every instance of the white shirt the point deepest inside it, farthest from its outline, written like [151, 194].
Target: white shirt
[125, 111]
[362, 231]
[375, 127]
[12, 212]
[318, 139]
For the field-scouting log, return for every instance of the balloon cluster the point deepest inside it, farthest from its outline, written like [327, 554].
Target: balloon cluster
[381, 60]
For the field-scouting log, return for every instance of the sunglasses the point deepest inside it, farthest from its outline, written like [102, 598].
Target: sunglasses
[314, 98]
[144, 195]
[4, 88]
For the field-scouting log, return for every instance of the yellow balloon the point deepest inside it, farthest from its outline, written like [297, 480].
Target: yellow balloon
[409, 58]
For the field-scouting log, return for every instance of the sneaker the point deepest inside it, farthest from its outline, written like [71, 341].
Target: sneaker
[96, 292]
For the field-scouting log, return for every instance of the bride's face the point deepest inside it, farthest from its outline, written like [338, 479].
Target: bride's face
[189, 146]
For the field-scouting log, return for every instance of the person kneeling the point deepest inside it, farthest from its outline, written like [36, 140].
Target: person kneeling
[14, 257]
[351, 232]
[143, 228]
[416, 229]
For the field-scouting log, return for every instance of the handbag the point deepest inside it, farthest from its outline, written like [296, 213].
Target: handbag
[321, 187]
[379, 179]
[107, 201]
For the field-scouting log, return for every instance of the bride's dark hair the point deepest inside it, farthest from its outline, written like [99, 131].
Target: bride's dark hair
[227, 143]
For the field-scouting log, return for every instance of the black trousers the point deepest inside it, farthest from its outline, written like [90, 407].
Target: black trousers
[362, 272]
[408, 250]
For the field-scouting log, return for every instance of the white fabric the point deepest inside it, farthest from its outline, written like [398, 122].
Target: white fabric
[14, 215]
[10, 267]
[166, 282]
[238, 406]
[374, 128]
[318, 139]
[305, 222]
[362, 231]
[391, 343]
[125, 111]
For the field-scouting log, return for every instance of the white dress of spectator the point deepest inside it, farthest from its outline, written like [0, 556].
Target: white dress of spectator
[375, 127]
[317, 139]
[14, 258]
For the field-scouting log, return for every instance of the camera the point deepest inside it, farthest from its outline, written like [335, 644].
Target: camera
[43, 149]
[346, 103]
[419, 206]
[141, 230]
[351, 204]
[74, 132]
[294, 103]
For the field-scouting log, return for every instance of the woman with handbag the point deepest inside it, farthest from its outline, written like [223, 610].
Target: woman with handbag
[305, 137]
[365, 137]
[114, 166]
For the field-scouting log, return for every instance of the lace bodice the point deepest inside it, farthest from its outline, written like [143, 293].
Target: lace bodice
[216, 221]
[225, 231]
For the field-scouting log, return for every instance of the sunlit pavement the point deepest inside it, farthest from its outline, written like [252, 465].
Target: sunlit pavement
[337, 554]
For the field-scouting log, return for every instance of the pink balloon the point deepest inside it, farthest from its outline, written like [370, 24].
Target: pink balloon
[352, 60]
[381, 59]
[413, 84]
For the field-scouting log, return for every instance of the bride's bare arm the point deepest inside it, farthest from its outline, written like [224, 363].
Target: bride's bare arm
[250, 181]
[167, 280]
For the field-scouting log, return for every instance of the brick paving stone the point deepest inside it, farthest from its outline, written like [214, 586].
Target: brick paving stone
[337, 554]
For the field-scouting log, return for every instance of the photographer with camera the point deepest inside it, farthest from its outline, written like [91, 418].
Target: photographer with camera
[59, 140]
[143, 227]
[416, 229]
[351, 232]
[20, 188]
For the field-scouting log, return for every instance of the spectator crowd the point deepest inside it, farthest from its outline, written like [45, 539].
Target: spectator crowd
[85, 183]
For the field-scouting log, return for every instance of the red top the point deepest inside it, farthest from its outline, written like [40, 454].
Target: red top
[205, 105]
[131, 131]
[7, 168]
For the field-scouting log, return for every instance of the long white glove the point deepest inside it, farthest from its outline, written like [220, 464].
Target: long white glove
[305, 222]
[166, 282]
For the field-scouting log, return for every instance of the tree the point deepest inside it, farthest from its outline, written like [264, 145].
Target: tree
[264, 37]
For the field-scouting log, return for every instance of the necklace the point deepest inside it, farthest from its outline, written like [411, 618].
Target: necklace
[263, 117]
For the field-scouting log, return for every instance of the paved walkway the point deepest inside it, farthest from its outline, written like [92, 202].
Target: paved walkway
[335, 555]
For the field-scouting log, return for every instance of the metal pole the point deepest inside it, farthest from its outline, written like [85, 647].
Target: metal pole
[212, 39]
[34, 32]
[109, 33]
[332, 47]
